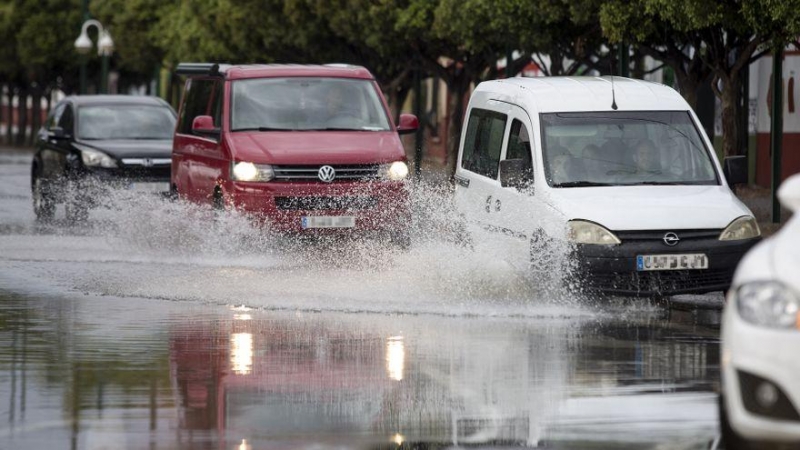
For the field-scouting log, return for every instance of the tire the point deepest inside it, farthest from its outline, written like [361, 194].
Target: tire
[44, 206]
[401, 239]
[76, 205]
[173, 193]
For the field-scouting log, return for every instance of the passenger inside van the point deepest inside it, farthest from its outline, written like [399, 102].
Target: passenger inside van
[563, 166]
[595, 163]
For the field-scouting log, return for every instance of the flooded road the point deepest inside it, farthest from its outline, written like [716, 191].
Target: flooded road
[160, 326]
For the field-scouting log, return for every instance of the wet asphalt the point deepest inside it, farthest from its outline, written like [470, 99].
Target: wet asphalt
[156, 326]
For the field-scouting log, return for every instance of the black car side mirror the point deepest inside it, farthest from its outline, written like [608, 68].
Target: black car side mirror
[735, 169]
[57, 133]
[515, 173]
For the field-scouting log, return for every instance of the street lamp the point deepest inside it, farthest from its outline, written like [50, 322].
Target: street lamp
[105, 46]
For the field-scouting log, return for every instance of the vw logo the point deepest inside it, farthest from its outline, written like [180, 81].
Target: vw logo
[671, 239]
[326, 174]
[147, 162]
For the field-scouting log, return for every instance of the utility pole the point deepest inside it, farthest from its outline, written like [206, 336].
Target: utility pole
[776, 134]
[418, 112]
[85, 15]
[624, 60]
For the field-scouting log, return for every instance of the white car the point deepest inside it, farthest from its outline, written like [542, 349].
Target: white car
[760, 363]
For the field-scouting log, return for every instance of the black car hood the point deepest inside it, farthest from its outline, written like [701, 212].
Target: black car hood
[130, 148]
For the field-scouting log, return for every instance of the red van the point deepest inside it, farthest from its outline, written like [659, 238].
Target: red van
[305, 148]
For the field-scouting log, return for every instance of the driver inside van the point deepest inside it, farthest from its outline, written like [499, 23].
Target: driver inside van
[647, 157]
[336, 105]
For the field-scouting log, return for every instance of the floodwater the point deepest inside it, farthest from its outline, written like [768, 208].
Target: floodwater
[163, 326]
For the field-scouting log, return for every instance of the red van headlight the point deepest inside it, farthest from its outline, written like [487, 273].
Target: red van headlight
[247, 171]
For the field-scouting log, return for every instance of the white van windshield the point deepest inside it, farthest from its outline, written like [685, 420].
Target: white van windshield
[624, 148]
[306, 104]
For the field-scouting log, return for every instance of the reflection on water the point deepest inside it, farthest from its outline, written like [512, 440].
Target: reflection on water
[111, 373]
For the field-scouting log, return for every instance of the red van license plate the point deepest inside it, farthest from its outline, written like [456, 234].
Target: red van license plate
[328, 222]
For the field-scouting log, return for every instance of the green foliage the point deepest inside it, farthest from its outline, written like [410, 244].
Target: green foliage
[39, 37]
[137, 51]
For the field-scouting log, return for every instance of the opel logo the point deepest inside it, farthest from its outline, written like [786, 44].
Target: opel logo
[671, 239]
[147, 162]
[326, 174]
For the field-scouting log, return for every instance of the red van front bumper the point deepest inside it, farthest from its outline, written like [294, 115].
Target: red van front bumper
[375, 205]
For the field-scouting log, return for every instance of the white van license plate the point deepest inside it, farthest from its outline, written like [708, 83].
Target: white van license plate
[328, 222]
[693, 261]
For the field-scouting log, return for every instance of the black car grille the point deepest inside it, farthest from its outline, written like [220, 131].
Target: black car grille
[665, 282]
[139, 172]
[311, 173]
[325, 203]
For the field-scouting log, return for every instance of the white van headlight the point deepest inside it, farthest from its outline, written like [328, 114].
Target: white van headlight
[585, 232]
[395, 171]
[94, 158]
[247, 171]
[769, 304]
[744, 227]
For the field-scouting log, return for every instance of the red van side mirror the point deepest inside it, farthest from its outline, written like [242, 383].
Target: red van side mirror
[408, 124]
[204, 125]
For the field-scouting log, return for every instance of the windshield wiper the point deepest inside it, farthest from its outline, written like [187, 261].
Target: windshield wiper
[334, 129]
[582, 184]
[265, 129]
[656, 183]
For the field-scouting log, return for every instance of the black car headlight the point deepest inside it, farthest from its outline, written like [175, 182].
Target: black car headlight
[95, 158]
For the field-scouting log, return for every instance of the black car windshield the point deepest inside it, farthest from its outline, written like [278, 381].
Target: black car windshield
[624, 148]
[125, 122]
[307, 104]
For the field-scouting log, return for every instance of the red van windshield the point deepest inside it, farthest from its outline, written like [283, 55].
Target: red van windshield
[306, 104]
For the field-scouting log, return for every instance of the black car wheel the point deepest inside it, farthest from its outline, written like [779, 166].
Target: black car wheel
[76, 205]
[43, 204]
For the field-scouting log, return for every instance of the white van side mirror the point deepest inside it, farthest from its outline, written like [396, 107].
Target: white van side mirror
[515, 173]
[789, 193]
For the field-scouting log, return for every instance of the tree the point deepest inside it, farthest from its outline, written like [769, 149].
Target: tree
[137, 53]
[726, 36]
[40, 56]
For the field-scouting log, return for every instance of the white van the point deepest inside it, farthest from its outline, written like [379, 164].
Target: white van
[619, 169]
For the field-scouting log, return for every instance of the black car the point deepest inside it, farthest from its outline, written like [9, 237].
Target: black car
[94, 142]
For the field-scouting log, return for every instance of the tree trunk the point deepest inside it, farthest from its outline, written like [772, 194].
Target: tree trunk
[49, 97]
[10, 115]
[22, 109]
[688, 87]
[397, 97]
[3, 116]
[36, 116]
[729, 96]
[458, 89]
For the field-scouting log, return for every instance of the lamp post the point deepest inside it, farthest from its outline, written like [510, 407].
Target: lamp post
[105, 46]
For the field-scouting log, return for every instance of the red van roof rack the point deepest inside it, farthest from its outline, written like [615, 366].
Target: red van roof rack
[212, 69]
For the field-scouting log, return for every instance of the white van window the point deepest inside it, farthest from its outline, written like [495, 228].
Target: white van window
[307, 104]
[483, 142]
[624, 148]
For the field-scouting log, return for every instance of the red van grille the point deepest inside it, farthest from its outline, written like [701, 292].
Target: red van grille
[311, 173]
